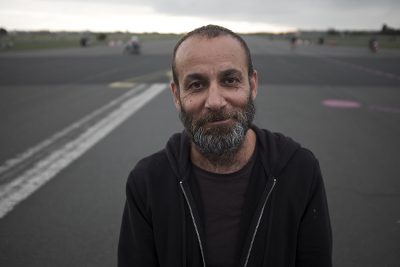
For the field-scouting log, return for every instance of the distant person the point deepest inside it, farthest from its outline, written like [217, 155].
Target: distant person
[373, 45]
[84, 41]
[133, 46]
[223, 192]
[293, 42]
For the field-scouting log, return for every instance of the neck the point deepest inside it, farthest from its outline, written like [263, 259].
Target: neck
[228, 163]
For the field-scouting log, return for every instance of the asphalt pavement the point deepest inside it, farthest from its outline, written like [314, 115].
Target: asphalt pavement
[343, 103]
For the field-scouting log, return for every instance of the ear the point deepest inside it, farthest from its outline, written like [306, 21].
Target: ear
[253, 84]
[175, 95]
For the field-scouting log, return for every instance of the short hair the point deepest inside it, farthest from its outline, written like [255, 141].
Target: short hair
[211, 31]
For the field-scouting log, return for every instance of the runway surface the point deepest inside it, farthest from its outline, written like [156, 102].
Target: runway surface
[75, 121]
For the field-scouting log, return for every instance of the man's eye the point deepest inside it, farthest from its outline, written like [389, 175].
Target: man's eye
[231, 81]
[195, 85]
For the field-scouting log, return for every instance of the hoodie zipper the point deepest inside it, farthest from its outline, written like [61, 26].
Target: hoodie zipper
[255, 230]
[258, 224]
[194, 223]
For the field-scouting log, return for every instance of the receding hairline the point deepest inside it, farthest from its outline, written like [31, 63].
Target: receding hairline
[212, 32]
[201, 38]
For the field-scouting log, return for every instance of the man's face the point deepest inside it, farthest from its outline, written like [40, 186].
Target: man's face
[215, 94]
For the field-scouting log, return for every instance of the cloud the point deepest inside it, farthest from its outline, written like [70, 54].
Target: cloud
[300, 13]
[253, 14]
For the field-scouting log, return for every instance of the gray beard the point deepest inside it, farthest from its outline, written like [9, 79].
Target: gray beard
[219, 144]
[213, 142]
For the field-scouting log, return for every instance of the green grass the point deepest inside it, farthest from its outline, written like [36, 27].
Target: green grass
[48, 40]
[35, 45]
[390, 42]
[35, 41]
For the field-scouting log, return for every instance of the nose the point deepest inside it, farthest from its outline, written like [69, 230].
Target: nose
[215, 98]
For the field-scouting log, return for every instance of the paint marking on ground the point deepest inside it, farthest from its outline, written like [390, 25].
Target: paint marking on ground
[350, 104]
[126, 83]
[30, 152]
[48, 167]
[365, 69]
[385, 109]
[341, 103]
[121, 84]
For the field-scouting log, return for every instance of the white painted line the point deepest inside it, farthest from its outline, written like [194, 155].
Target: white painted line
[47, 168]
[122, 84]
[33, 150]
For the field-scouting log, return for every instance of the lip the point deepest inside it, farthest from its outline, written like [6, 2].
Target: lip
[219, 122]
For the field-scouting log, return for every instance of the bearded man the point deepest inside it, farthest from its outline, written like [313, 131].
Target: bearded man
[223, 192]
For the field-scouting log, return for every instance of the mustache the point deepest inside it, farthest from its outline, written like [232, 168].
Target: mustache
[213, 116]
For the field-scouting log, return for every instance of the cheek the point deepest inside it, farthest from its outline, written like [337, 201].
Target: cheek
[191, 103]
[240, 98]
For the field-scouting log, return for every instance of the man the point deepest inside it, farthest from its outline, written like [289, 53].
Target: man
[224, 192]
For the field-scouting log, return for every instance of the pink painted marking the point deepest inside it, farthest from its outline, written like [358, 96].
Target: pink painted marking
[341, 103]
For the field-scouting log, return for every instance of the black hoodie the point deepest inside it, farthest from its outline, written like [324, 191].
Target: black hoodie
[285, 219]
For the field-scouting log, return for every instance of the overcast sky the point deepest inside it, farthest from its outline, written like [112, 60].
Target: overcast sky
[183, 15]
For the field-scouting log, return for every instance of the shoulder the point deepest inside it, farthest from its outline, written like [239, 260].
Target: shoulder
[303, 163]
[305, 157]
[149, 163]
[148, 170]
[303, 172]
[285, 151]
[288, 159]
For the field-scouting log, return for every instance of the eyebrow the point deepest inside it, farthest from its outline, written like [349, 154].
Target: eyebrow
[230, 72]
[194, 76]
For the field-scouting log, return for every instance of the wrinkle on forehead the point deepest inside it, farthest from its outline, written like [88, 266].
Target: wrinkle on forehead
[212, 46]
[199, 54]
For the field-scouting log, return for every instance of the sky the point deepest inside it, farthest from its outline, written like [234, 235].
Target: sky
[177, 16]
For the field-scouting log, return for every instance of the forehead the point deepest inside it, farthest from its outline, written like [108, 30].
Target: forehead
[199, 54]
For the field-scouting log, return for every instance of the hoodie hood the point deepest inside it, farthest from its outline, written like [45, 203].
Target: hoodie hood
[178, 153]
[275, 151]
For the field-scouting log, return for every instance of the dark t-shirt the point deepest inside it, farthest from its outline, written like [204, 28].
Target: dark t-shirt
[223, 198]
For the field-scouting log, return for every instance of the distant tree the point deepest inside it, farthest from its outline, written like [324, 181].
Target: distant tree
[386, 30]
[3, 32]
[101, 37]
[332, 32]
